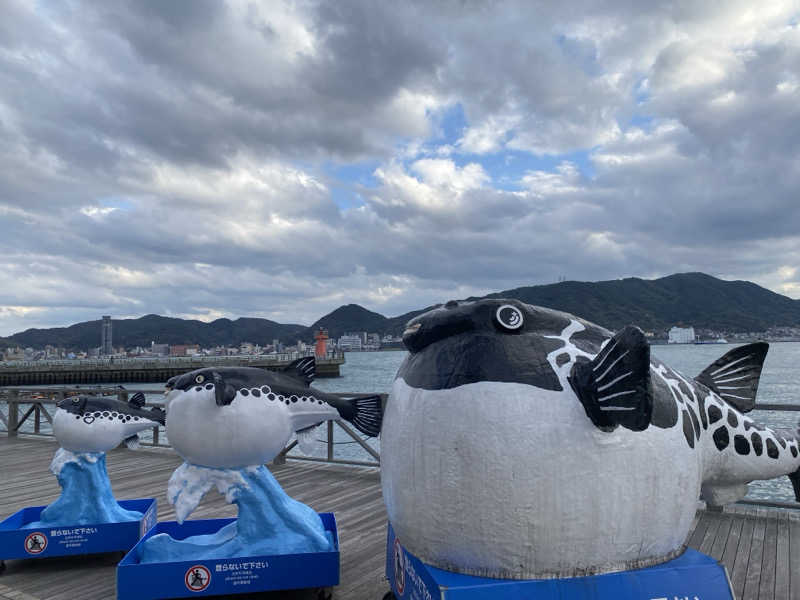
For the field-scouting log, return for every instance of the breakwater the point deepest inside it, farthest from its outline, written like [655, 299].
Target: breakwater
[144, 370]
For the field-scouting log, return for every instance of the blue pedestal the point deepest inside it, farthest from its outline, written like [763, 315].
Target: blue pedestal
[18, 540]
[691, 576]
[234, 575]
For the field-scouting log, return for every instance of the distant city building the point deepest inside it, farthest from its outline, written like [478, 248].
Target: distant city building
[184, 350]
[681, 335]
[159, 349]
[350, 342]
[106, 349]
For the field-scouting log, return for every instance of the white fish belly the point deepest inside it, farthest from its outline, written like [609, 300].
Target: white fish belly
[249, 431]
[508, 480]
[101, 435]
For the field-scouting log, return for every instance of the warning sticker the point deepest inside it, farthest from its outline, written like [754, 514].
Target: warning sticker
[197, 578]
[399, 567]
[35, 543]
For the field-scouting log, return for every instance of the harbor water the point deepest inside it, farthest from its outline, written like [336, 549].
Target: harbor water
[373, 372]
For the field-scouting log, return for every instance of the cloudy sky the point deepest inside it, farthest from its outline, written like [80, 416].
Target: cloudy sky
[204, 158]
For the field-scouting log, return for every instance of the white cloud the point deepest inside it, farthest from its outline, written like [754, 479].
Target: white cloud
[231, 130]
[97, 212]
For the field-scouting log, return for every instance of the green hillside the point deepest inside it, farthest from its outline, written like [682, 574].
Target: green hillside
[655, 305]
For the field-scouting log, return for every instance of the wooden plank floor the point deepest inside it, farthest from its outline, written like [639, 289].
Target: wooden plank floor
[759, 547]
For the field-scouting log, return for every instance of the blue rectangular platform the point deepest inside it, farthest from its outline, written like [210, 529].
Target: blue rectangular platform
[234, 575]
[691, 576]
[17, 540]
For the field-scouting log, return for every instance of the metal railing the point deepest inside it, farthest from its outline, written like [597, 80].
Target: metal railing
[24, 404]
[33, 402]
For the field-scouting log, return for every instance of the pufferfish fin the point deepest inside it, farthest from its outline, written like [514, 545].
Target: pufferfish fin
[614, 387]
[734, 376]
[303, 369]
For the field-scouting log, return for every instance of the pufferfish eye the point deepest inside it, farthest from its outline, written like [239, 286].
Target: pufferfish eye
[199, 379]
[509, 317]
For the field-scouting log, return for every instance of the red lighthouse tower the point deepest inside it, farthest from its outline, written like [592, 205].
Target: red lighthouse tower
[321, 348]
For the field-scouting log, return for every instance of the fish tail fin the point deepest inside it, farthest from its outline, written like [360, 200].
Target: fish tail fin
[367, 414]
[137, 400]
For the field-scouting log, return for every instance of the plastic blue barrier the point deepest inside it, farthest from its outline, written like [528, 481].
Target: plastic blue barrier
[691, 576]
[234, 575]
[19, 541]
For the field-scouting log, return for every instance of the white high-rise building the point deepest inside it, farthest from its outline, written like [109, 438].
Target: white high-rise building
[681, 335]
[350, 342]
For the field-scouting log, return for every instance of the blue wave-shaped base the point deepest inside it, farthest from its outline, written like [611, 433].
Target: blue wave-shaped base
[86, 497]
[269, 522]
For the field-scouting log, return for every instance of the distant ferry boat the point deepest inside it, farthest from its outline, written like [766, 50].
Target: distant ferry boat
[716, 341]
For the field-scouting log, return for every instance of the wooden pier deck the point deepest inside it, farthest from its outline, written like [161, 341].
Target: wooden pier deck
[760, 547]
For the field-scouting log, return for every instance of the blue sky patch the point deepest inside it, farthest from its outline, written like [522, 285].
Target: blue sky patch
[119, 202]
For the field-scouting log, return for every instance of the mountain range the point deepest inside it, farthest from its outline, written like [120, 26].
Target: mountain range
[695, 299]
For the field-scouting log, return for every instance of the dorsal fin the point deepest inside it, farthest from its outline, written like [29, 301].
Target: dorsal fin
[734, 376]
[614, 388]
[137, 400]
[303, 369]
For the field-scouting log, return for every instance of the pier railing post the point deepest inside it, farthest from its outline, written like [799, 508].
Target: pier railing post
[330, 440]
[13, 413]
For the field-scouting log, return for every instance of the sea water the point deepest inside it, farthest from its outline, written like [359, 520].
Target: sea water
[373, 372]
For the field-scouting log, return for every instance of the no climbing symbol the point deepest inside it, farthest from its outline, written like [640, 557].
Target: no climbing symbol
[197, 578]
[35, 543]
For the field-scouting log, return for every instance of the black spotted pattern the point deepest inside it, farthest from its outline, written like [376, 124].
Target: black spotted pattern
[256, 392]
[685, 389]
[733, 420]
[721, 438]
[714, 414]
[794, 451]
[701, 404]
[782, 442]
[695, 423]
[688, 430]
[772, 449]
[758, 445]
[741, 444]
[562, 359]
